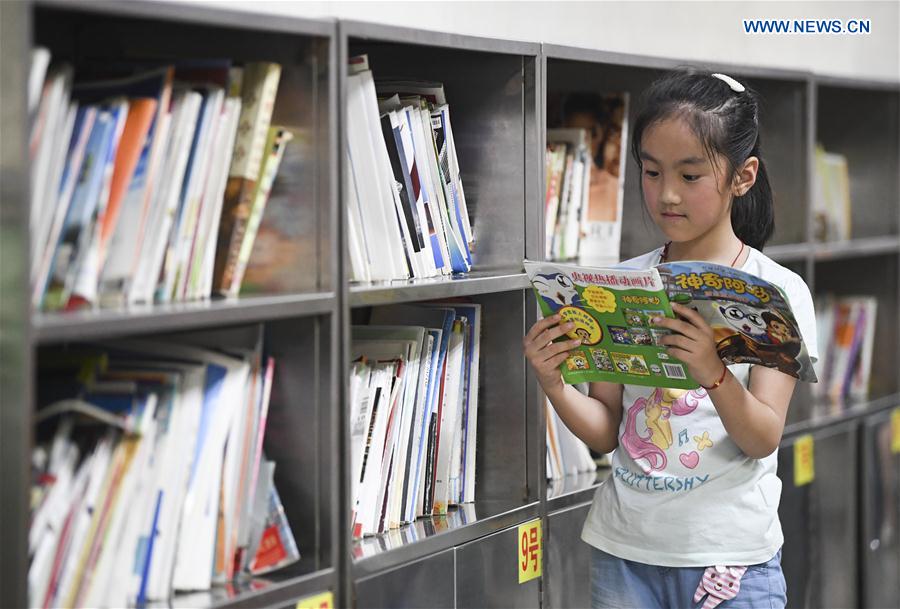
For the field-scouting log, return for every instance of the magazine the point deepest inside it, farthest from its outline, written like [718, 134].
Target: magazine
[612, 310]
[584, 163]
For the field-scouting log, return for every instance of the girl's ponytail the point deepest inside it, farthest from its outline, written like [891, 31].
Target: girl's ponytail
[753, 214]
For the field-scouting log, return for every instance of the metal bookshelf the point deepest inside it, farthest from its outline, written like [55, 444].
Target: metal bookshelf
[498, 92]
[301, 328]
[798, 110]
[492, 87]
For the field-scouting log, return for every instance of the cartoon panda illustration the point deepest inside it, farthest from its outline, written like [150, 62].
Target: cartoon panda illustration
[745, 320]
[758, 338]
[557, 290]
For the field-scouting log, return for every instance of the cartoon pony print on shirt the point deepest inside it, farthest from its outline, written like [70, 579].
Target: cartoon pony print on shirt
[649, 451]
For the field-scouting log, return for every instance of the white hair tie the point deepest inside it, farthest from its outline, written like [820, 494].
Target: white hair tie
[728, 80]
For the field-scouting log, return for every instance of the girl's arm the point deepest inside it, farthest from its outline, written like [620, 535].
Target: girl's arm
[593, 418]
[754, 418]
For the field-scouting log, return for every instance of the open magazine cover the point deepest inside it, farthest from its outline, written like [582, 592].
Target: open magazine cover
[612, 309]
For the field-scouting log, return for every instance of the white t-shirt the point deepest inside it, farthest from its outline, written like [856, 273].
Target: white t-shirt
[681, 492]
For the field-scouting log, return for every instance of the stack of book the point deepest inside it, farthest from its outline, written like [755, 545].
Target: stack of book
[413, 417]
[406, 208]
[145, 180]
[568, 172]
[149, 474]
[846, 331]
[583, 168]
[566, 454]
[831, 197]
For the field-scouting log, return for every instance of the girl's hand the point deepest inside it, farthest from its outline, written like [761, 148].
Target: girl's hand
[693, 343]
[546, 356]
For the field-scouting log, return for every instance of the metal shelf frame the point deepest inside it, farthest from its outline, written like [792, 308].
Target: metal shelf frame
[483, 282]
[505, 200]
[316, 314]
[103, 323]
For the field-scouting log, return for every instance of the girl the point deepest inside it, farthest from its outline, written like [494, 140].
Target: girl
[689, 515]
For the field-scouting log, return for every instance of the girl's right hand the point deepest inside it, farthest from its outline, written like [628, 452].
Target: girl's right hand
[546, 356]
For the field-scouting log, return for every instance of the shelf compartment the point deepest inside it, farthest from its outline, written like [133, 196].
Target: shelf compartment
[105, 323]
[567, 559]
[871, 144]
[506, 473]
[879, 506]
[484, 577]
[874, 275]
[784, 110]
[428, 536]
[303, 389]
[429, 581]
[295, 249]
[490, 87]
[819, 520]
[478, 282]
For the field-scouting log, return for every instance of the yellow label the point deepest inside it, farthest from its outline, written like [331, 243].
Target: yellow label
[804, 460]
[325, 600]
[895, 431]
[531, 547]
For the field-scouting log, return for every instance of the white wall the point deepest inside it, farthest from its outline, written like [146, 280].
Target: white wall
[693, 31]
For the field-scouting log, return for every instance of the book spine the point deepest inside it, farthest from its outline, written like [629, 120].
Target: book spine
[279, 139]
[84, 200]
[260, 88]
[132, 148]
[84, 123]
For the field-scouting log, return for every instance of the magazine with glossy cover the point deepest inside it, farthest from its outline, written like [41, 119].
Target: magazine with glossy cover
[613, 310]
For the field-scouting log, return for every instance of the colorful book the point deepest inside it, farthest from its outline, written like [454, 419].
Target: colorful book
[613, 311]
[259, 89]
[81, 132]
[86, 271]
[74, 236]
[276, 142]
[277, 548]
[141, 112]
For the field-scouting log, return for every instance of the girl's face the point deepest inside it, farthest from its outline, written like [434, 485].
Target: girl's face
[686, 196]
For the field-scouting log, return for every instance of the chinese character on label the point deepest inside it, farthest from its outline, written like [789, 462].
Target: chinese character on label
[530, 551]
[804, 460]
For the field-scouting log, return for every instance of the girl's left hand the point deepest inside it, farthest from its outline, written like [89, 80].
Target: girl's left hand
[693, 343]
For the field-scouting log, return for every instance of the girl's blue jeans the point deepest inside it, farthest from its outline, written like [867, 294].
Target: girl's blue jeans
[623, 584]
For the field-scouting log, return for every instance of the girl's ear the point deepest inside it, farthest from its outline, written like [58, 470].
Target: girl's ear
[745, 177]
